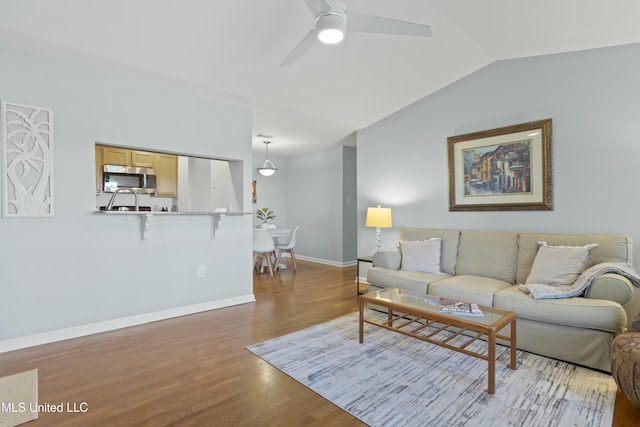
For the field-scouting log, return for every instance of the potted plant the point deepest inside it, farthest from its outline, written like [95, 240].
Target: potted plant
[264, 215]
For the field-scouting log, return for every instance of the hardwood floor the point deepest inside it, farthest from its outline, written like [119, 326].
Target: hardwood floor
[195, 370]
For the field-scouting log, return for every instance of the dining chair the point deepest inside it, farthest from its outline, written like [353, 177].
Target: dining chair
[288, 247]
[263, 248]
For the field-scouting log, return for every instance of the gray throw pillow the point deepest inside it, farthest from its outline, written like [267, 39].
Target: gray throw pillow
[421, 255]
[559, 265]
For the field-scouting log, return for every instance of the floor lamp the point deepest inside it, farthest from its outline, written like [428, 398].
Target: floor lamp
[378, 218]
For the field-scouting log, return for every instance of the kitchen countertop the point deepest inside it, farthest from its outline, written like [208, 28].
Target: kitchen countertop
[102, 212]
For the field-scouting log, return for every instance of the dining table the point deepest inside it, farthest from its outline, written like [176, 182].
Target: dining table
[280, 235]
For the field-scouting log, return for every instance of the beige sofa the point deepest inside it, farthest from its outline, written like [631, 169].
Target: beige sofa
[486, 267]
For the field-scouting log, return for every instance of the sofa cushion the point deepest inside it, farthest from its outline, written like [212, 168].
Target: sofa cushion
[476, 289]
[405, 279]
[559, 265]
[578, 312]
[421, 255]
[611, 248]
[488, 253]
[448, 250]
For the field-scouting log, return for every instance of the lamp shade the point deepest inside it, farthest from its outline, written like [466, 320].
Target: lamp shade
[268, 168]
[378, 217]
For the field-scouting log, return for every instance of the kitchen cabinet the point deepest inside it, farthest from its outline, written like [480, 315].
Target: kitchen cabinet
[142, 159]
[116, 156]
[166, 166]
[126, 157]
[99, 164]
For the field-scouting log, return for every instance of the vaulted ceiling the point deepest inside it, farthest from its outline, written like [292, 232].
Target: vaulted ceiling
[233, 50]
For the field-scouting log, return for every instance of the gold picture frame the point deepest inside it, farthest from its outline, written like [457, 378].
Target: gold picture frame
[502, 169]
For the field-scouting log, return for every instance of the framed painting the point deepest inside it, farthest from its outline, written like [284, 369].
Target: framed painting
[254, 191]
[503, 169]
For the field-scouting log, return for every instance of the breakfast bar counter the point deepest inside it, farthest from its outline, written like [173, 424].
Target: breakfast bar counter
[145, 217]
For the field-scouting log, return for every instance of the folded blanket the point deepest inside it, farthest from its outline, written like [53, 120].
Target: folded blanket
[540, 291]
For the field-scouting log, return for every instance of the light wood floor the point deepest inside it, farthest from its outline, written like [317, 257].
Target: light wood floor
[195, 370]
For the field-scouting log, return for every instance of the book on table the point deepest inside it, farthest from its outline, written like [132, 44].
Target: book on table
[451, 306]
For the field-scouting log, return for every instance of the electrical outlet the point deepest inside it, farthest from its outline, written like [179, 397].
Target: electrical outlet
[201, 272]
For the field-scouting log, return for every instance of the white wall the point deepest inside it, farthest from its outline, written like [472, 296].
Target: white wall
[592, 97]
[79, 268]
[206, 185]
[222, 194]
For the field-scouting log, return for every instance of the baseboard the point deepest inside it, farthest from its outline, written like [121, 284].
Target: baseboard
[123, 322]
[326, 261]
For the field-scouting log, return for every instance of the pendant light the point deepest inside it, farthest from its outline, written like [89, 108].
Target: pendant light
[268, 168]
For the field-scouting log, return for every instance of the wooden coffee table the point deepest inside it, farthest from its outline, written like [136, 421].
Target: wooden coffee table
[405, 308]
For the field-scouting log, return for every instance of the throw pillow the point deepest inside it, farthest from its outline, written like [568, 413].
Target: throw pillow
[421, 255]
[559, 265]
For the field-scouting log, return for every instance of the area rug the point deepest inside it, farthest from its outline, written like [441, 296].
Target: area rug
[18, 398]
[395, 380]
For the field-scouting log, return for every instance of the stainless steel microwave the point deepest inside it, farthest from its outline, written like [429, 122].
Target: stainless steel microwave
[141, 180]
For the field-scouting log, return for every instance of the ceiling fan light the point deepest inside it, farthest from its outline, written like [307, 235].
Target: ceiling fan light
[331, 28]
[330, 36]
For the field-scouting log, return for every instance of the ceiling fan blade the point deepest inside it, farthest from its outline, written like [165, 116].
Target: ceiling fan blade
[303, 47]
[318, 6]
[362, 23]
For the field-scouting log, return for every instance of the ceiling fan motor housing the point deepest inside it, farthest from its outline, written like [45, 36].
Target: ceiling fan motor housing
[332, 25]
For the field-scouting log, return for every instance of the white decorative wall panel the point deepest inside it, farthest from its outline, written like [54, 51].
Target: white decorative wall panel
[27, 161]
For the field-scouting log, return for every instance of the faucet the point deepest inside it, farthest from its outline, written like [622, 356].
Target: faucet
[120, 190]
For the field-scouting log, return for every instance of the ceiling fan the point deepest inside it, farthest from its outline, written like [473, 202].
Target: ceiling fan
[333, 19]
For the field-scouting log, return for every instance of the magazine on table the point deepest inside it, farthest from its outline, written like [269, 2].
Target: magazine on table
[451, 306]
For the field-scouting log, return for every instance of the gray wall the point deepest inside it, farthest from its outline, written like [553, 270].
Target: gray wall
[79, 271]
[592, 97]
[314, 201]
[349, 205]
[318, 192]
